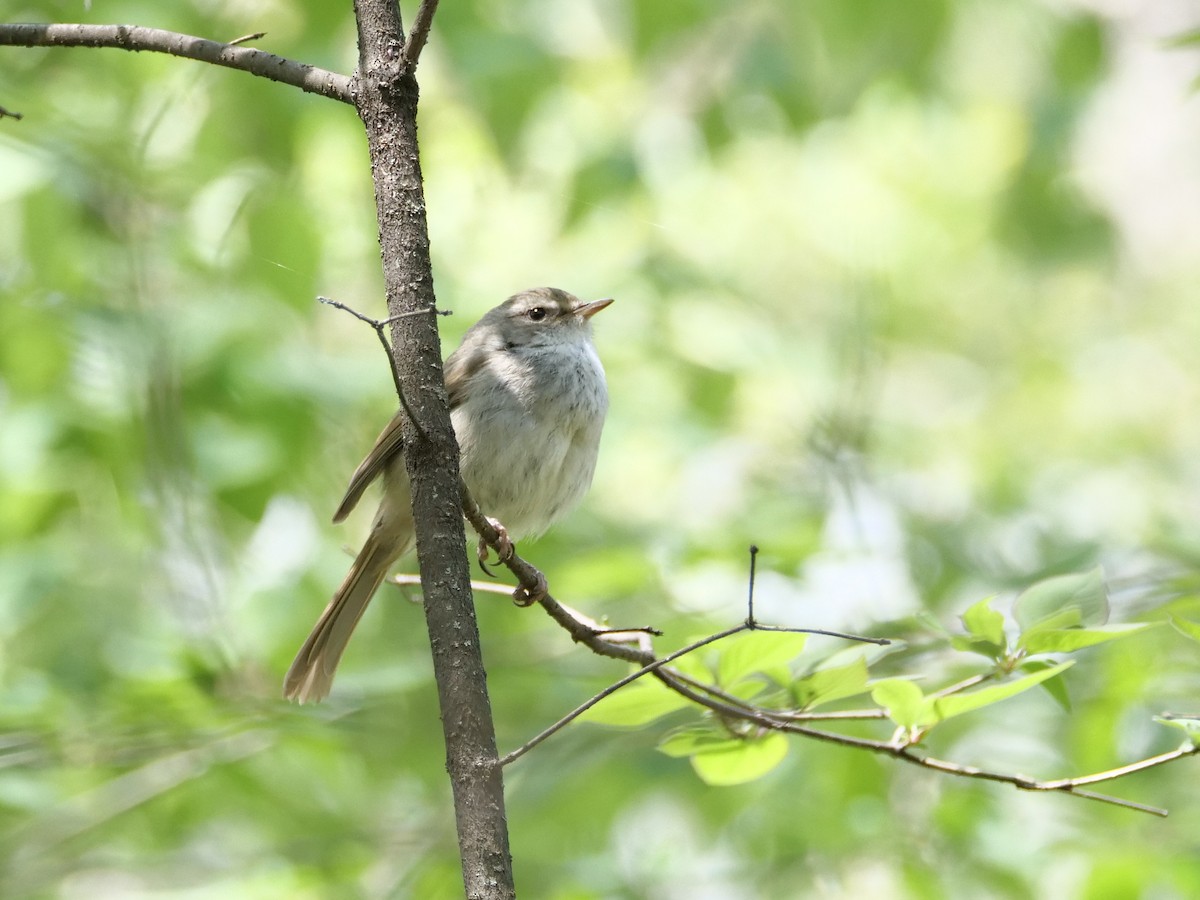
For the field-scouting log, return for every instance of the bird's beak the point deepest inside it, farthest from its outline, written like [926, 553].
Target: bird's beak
[587, 310]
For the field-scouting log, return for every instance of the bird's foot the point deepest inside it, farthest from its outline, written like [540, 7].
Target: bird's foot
[523, 596]
[504, 546]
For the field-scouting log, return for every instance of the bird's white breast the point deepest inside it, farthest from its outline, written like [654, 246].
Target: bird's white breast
[530, 433]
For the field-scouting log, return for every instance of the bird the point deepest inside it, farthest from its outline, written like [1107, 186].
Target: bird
[528, 398]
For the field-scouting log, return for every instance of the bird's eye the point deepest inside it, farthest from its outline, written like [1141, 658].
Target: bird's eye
[537, 313]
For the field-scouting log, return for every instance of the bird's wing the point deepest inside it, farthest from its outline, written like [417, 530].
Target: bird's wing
[461, 368]
[387, 445]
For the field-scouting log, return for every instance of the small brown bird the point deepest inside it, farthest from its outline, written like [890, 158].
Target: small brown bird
[527, 401]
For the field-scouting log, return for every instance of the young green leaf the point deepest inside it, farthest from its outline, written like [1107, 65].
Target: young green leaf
[984, 623]
[1186, 628]
[693, 665]
[956, 704]
[1189, 725]
[826, 685]
[985, 631]
[636, 704]
[1055, 687]
[1066, 640]
[692, 739]
[901, 698]
[740, 761]
[1083, 591]
[757, 651]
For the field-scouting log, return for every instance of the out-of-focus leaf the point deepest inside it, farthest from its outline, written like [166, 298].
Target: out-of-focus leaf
[693, 739]
[1185, 39]
[902, 699]
[1066, 640]
[985, 630]
[736, 761]
[956, 704]
[1189, 725]
[1084, 592]
[1186, 628]
[828, 684]
[636, 704]
[1055, 687]
[983, 622]
[757, 651]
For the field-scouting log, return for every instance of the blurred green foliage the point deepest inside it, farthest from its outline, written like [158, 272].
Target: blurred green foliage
[905, 296]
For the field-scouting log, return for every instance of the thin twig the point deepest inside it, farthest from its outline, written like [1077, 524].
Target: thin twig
[8, 113]
[767, 719]
[754, 625]
[750, 589]
[380, 326]
[488, 587]
[136, 38]
[246, 38]
[418, 35]
[842, 635]
[1122, 771]
[963, 685]
[612, 688]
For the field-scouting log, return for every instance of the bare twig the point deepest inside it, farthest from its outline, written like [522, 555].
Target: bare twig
[750, 585]
[247, 38]
[10, 114]
[612, 688]
[136, 38]
[963, 685]
[380, 326]
[487, 587]
[755, 625]
[418, 35]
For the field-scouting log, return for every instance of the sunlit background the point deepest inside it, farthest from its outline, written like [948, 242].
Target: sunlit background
[906, 295]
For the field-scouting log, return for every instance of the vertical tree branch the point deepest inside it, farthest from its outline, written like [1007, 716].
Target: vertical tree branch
[386, 97]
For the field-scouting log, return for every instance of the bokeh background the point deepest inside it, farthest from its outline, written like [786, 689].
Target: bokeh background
[906, 295]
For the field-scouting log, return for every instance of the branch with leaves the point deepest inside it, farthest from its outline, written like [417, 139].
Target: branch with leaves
[755, 698]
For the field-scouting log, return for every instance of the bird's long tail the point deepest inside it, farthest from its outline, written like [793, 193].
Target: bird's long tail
[311, 674]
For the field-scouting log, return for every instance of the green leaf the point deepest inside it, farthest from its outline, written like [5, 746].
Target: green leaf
[1060, 640]
[736, 761]
[985, 631]
[868, 653]
[1186, 628]
[693, 665]
[721, 759]
[690, 740]
[984, 623]
[1083, 591]
[1189, 725]
[956, 704]
[901, 698]
[829, 684]
[636, 704]
[1055, 687]
[1071, 617]
[757, 651]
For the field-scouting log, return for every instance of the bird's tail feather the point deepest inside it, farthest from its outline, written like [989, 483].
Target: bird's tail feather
[311, 674]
